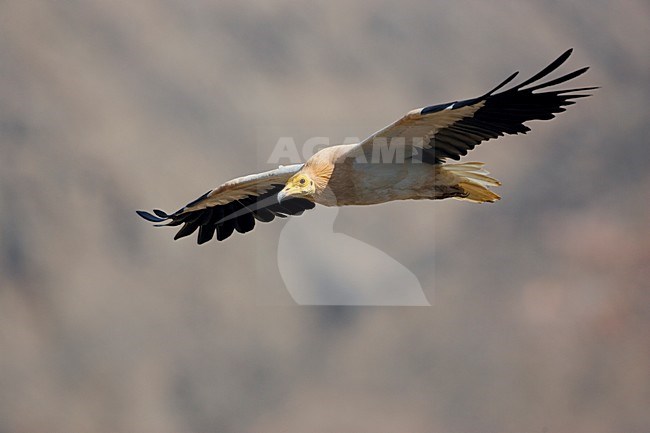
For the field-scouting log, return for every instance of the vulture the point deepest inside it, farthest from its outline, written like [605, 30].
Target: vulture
[406, 160]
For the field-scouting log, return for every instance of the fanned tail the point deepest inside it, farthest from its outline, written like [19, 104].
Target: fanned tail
[474, 180]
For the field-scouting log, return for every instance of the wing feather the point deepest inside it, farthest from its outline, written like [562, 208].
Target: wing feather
[450, 130]
[233, 206]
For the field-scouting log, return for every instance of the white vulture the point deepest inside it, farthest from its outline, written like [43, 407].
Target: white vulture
[405, 160]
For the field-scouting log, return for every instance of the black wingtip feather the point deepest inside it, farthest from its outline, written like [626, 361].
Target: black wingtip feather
[560, 80]
[503, 83]
[505, 112]
[225, 230]
[160, 213]
[186, 230]
[245, 223]
[149, 217]
[547, 70]
[206, 233]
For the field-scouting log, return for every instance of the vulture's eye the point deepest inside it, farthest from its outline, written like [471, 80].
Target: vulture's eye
[302, 181]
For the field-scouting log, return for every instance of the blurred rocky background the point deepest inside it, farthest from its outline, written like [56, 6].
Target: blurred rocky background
[541, 309]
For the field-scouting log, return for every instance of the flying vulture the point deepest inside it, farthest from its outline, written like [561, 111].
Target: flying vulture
[405, 160]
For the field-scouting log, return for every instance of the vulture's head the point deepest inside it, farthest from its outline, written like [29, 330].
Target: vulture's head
[301, 185]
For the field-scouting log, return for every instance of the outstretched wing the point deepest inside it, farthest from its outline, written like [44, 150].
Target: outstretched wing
[450, 130]
[235, 205]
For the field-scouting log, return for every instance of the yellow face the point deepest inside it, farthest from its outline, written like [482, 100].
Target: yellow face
[298, 186]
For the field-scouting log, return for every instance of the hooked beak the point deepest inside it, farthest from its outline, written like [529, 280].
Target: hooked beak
[283, 194]
[289, 191]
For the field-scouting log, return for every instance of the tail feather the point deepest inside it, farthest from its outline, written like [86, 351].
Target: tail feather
[475, 181]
